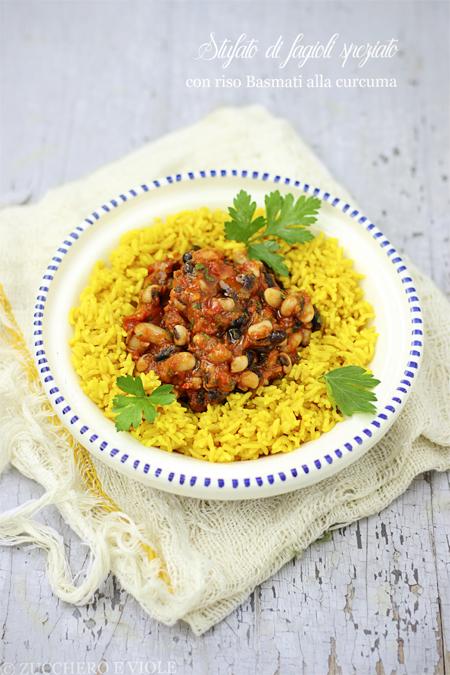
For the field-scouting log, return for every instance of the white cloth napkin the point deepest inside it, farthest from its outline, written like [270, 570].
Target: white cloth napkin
[214, 553]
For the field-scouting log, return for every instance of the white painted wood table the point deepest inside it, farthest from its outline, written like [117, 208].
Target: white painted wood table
[82, 83]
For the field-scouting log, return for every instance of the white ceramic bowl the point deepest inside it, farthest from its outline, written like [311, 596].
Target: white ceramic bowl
[388, 286]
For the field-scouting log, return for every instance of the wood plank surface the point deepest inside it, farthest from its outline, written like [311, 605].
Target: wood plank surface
[82, 83]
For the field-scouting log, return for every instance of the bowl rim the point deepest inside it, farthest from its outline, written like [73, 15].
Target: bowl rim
[285, 480]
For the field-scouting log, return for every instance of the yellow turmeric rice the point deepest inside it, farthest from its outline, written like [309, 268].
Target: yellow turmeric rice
[278, 417]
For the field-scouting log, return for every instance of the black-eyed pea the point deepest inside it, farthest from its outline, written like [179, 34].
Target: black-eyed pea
[285, 361]
[200, 340]
[307, 314]
[180, 335]
[239, 363]
[219, 354]
[260, 330]
[150, 293]
[227, 304]
[143, 363]
[289, 306]
[248, 380]
[134, 344]
[181, 362]
[150, 332]
[273, 297]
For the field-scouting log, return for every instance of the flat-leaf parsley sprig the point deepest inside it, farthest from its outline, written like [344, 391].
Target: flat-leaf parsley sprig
[131, 409]
[285, 218]
[349, 389]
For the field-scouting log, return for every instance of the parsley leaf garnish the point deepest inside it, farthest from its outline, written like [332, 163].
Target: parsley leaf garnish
[242, 225]
[131, 409]
[286, 219]
[349, 389]
[266, 251]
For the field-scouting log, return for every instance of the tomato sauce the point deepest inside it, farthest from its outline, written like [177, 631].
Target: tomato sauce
[210, 324]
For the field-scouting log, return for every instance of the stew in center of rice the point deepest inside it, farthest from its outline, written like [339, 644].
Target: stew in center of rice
[210, 324]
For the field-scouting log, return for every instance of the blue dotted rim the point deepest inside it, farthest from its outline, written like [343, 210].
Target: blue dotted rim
[382, 419]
